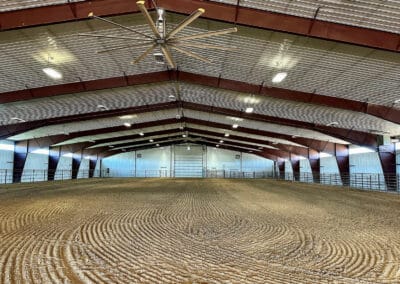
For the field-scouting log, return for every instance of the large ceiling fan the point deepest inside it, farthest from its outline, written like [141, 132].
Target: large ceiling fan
[163, 39]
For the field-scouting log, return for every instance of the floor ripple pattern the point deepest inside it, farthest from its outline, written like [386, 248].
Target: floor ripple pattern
[196, 231]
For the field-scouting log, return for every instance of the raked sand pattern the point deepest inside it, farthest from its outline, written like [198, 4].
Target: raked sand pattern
[196, 231]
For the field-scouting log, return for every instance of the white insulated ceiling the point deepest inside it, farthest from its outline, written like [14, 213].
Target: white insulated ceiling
[375, 14]
[313, 65]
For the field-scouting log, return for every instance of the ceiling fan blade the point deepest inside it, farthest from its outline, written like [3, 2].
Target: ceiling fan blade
[207, 34]
[186, 22]
[91, 15]
[141, 57]
[191, 54]
[205, 46]
[148, 18]
[110, 36]
[168, 56]
[121, 47]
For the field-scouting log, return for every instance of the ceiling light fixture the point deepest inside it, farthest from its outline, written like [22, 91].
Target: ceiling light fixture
[151, 140]
[249, 110]
[226, 134]
[188, 147]
[129, 116]
[333, 123]
[235, 126]
[397, 101]
[52, 73]
[184, 135]
[18, 119]
[141, 134]
[127, 124]
[158, 145]
[221, 141]
[103, 107]
[217, 145]
[279, 77]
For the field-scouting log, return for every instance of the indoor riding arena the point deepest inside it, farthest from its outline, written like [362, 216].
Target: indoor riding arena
[199, 141]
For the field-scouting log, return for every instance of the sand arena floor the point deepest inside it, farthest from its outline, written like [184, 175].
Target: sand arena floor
[196, 231]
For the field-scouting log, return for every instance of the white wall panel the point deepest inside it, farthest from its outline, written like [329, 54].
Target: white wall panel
[35, 168]
[251, 163]
[120, 165]
[153, 162]
[288, 171]
[366, 171]
[6, 161]
[329, 171]
[305, 171]
[83, 171]
[64, 168]
[221, 159]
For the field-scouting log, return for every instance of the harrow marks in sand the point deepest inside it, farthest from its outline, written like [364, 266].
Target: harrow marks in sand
[197, 231]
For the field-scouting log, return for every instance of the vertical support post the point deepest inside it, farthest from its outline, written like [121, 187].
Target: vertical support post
[281, 166]
[92, 165]
[342, 159]
[295, 161]
[314, 159]
[54, 158]
[76, 162]
[20, 154]
[387, 156]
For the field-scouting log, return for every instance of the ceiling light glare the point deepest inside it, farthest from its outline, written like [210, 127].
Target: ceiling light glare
[141, 134]
[234, 118]
[18, 119]
[151, 140]
[221, 141]
[103, 107]
[235, 126]
[184, 135]
[52, 73]
[217, 145]
[279, 77]
[397, 101]
[249, 110]
[333, 123]
[226, 134]
[158, 145]
[129, 116]
[188, 148]
[127, 124]
[111, 146]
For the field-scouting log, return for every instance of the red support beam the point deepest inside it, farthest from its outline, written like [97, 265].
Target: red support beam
[387, 156]
[21, 151]
[342, 158]
[54, 157]
[215, 11]
[314, 159]
[384, 112]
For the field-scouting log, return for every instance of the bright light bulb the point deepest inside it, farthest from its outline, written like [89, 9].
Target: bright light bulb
[221, 141]
[151, 140]
[52, 73]
[249, 110]
[141, 134]
[226, 134]
[279, 77]
[235, 126]
[127, 124]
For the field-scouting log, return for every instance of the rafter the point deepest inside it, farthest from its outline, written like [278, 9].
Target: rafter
[214, 10]
[385, 112]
